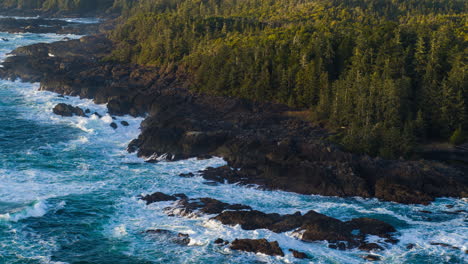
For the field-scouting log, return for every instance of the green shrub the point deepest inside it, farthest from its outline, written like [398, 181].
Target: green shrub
[457, 137]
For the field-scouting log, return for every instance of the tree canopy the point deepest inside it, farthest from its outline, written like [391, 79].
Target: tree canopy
[387, 75]
[391, 74]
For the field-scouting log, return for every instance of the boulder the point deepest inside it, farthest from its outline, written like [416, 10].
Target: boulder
[257, 246]
[298, 254]
[220, 241]
[68, 110]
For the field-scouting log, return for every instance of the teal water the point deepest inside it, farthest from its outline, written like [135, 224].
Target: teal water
[68, 194]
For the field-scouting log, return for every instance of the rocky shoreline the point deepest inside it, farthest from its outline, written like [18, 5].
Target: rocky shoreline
[308, 227]
[263, 143]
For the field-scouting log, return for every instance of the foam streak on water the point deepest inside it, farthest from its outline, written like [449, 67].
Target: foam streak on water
[68, 193]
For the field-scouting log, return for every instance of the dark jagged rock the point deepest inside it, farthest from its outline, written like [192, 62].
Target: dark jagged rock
[257, 246]
[178, 238]
[68, 110]
[187, 207]
[181, 196]
[371, 257]
[158, 197]
[113, 125]
[298, 254]
[187, 175]
[248, 220]
[124, 123]
[309, 227]
[312, 226]
[220, 241]
[370, 247]
[410, 246]
[337, 245]
[261, 143]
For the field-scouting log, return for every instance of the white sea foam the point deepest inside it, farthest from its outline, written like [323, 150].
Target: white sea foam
[36, 209]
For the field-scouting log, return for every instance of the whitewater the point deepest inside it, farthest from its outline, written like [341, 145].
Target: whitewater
[69, 194]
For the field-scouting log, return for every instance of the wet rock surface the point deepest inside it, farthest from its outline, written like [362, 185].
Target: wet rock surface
[158, 197]
[220, 241]
[261, 143]
[298, 254]
[257, 246]
[310, 227]
[193, 207]
[68, 110]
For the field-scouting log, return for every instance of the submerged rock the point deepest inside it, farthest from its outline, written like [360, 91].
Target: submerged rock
[257, 246]
[372, 257]
[298, 254]
[68, 110]
[177, 238]
[444, 245]
[410, 246]
[187, 175]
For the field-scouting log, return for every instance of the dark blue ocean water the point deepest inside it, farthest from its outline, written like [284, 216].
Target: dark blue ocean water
[68, 194]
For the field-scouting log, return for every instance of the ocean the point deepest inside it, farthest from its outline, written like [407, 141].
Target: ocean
[69, 194]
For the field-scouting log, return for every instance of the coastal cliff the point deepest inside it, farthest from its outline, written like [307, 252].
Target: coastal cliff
[262, 142]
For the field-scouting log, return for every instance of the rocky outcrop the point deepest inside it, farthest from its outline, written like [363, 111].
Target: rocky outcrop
[261, 142]
[194, 207]
[313, 226]
[257, 246]
[158, 197]
[68, 110]
[310, 227]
